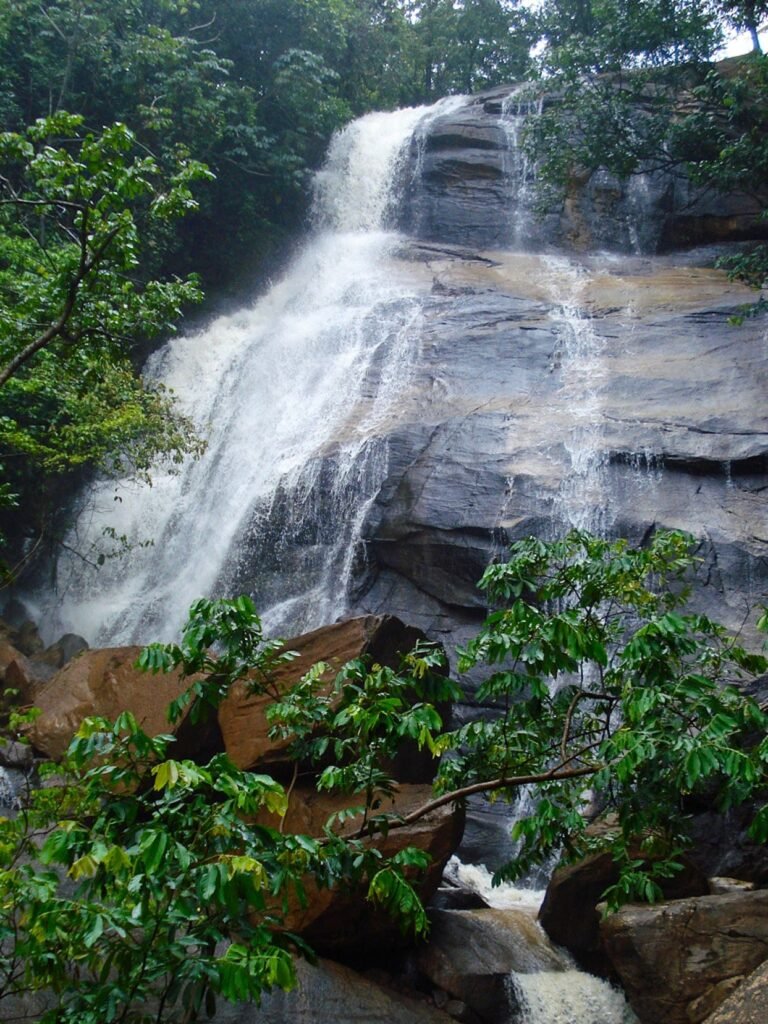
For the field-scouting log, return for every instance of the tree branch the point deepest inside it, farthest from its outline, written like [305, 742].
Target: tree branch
[555, 775]
[87, 264]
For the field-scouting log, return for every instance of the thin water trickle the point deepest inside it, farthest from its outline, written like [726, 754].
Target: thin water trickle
[9, 796]
[519, 169]
[583, 500]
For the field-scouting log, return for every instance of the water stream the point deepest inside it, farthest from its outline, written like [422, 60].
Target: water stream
[582, 500]
[518, 166]
[551, 990]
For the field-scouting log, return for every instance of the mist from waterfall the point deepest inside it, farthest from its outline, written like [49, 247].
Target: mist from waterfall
[290, 394]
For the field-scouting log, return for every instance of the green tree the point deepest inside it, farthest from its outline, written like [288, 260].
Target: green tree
[201, 75]
[137, 888]
[636, 92]
[464, 45]
[747, 16]
[75, 209]
[603, 681]
[155, 889]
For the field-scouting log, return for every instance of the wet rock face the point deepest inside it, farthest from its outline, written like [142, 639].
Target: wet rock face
[610, 393]
[472, 953]
[569, 913]
[749, 1002]
[469, 183]
[330, 992]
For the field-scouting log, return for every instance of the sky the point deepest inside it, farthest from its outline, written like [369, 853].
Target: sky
[741, 43]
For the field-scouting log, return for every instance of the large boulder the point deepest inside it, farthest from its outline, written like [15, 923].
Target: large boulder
[329, 992]
[383, 639]
[104, 682]
[340, 923]
[26, 665]
[26, 677]
[678, 961]
[472, 953]
[748, 1004]
[722, 844]
[569, 913]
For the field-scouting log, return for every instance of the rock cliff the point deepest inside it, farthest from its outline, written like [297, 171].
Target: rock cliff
[553, 388]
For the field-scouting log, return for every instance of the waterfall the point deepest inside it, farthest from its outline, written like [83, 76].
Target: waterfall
[519, 169]
[13, 783]
[291, 394]
[569, 997]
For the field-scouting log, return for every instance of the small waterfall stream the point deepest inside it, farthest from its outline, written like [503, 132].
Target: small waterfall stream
[582, 500]
[551, 989]
[518, 167]
[11, 784]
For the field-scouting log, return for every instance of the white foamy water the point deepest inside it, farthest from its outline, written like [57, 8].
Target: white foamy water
[569, 997]
[518, 167]
[505, 896]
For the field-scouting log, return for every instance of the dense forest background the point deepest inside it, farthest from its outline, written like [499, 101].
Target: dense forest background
[153, 150]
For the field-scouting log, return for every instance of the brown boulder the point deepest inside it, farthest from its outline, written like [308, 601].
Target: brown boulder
[344, 924]
[28, 673]
[8, 653]
[382, 638]
[678, 961]
[19, 674]
[748, 1004]
[102, 682]
[27, 676]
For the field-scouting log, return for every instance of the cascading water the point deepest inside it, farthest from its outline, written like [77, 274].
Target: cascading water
[290, 395]
[551, 989]
[9, 790]
[518, 167]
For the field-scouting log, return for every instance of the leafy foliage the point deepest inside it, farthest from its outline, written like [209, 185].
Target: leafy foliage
[137, 902]
[356, 718]
[241, 651]
[75, 209]
[360, 720]
[136, 887]
[604, 683]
